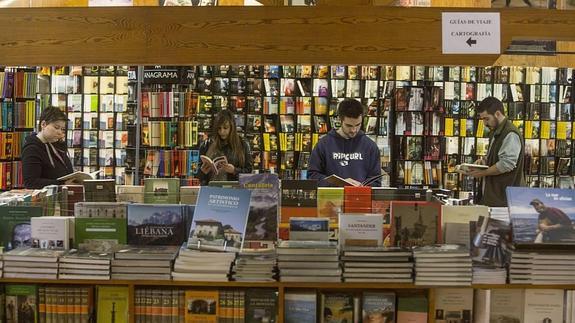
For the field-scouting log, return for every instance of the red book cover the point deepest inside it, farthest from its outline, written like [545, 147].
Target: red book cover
[357, 199]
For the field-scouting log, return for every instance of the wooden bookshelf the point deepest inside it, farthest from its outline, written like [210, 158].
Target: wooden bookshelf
[247, 35]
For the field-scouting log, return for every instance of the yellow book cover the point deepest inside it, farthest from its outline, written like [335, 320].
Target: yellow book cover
[112, 302]
[562, 130]
[463, 128]
[448, 127]
[266, 137]
[329, 202]
[202, 306]
[315, 139]
[528, 129]
[480, 129]
[545, 129]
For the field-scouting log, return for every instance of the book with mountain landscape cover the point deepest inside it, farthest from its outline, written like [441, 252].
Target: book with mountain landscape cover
[161, 224]
[264, 206]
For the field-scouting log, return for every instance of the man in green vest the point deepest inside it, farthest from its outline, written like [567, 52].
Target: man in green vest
[504, 156]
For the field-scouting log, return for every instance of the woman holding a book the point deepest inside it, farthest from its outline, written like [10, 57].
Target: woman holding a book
[45, 155]
[225, 154]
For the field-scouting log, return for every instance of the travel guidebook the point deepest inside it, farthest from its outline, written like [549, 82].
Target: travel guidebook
[220, 218]
[161, 224]
[542, 216]
[263, 216]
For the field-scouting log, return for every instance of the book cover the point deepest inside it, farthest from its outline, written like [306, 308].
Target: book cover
[544, 305]
[161, 224]
[357, 199]
[264, 206]
[300, 307]
[337, 307]
[99, 190]
[162, 190]
[542, 216]
[261, 305]
[21, 303]
[378, 307]
[329, 202]
[506, 305]
[51, 232]
[15, 227]
[412, 309]
[416, 223]
[453, 304]
[305, 229]
[202, 306]
[220, 219]
[112, 304]
[100, 234]
[492, 244]
[360, 229]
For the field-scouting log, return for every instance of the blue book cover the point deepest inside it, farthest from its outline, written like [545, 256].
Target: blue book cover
[264, 204]
[220, 219]
[161, 224]
[542, 215]
[300, 307]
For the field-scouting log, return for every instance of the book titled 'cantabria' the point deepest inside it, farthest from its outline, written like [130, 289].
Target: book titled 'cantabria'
[220, 219]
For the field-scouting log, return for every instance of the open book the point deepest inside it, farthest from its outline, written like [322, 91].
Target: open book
[338, 181]
[79, 176]
[465, 168]
[215, 164]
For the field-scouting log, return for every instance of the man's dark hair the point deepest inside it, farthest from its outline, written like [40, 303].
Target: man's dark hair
[350, 108]
[50, 115]
[536, 201]
[491, 105]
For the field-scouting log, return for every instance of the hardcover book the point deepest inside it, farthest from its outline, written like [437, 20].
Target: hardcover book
[300, 307]
[99, 190]
[416, 223]
[360, 229]
[202, 306]
[336, 307]
[542, 216]
[220, 219]
[329, 202]
[112, 303]
[21, 303]
[162, 190]
[100, 234]
[51, 232]
[15, 228]
[453, 304]
[161, 224]
[261, 305]
[378, 307]
[304, 228]
[412, 308]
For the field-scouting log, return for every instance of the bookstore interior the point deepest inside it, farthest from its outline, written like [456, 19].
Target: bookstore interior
[132, 234]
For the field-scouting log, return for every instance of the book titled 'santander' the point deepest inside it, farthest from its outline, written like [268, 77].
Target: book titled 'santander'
[360, 229]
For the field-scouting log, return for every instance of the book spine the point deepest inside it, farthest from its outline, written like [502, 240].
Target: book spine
[41, 305]
[182, 307]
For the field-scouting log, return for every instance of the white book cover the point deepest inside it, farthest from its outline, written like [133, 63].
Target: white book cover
[481, 305]
[544, 305]
[51, 232]
[506, 305]
[454, 304]
[360, 229]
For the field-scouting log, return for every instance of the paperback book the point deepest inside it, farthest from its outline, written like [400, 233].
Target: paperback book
[262, 223]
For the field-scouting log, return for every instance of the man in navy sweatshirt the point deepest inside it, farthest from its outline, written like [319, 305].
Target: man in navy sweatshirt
[346, 152]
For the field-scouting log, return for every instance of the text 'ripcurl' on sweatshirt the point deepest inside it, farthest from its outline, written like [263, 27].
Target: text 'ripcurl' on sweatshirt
[356, 158]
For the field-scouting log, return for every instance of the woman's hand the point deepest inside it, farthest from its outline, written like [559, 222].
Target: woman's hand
[73, 181]
[205, 168]
[229, 168]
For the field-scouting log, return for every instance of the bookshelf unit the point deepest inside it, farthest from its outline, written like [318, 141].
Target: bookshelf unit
[281, 287]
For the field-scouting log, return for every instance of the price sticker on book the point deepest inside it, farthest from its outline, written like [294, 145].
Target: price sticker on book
[471, 33]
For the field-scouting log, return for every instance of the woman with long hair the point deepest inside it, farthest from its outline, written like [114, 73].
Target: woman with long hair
[225, 141]
[45, 155]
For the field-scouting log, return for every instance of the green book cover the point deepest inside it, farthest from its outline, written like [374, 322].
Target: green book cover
[329, 202]
[112, 304]
[100, 234]
[21, 303]
[15, 228]
[162, 190]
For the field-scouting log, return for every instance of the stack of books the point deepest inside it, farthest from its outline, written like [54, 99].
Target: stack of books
[203, 265]
[489, 275]
[377, 264]
[442, 264]
[499, 213]
[143, 262]
[75, 264]
[491, 250]
[545, 267]
[33, 263]
[314, 261]
[257, 265]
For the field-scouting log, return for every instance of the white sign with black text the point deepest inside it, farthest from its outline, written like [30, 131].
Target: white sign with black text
[471, 33]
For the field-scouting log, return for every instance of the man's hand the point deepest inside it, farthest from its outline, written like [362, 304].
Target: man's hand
[477, 173]
[353, 181]
[481, 161]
